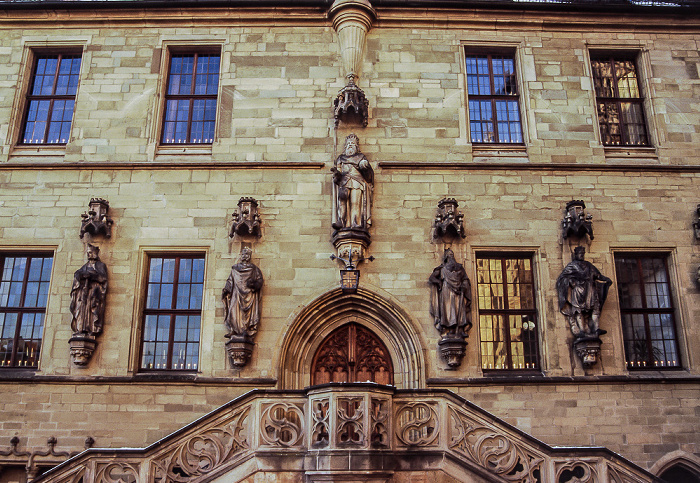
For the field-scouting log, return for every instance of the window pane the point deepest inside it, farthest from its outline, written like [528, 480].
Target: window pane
[619, 100]
[51, 100]
[494, 113]
[24, 287]
[646, 307]
[190, 104]
[507, 316]
[171, 318]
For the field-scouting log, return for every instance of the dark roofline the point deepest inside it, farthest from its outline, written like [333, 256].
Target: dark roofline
[636, 6]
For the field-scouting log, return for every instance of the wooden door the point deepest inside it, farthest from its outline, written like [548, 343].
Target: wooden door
[352, 354]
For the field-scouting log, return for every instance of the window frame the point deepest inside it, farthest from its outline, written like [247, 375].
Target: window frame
[644, 311]
[27, 97]
[172, 51]
[145, 311]
[611, 57]
[21, 309]
[506, 312]
[512, 53]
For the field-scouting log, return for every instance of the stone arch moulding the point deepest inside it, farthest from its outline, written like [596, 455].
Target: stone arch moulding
[678, 458]
[333, 309]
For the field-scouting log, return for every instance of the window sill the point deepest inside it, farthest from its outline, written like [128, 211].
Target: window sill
[630, 152]
[49, 151]
[488, 152]
[184, 149]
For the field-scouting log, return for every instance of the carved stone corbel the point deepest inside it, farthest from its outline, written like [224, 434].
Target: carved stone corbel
[96, 221]
[352, 19]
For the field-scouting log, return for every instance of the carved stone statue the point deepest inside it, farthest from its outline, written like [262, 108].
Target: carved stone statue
[87, 306]
[353, 182]
[450, 296]
[88, 295]
[241, 297]
[582, 291]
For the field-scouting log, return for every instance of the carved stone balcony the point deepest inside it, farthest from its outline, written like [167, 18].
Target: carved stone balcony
[348, 432]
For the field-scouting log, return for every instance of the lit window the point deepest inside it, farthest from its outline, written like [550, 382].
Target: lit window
[51, 99]
[619, 101]
[24, 289]
[494, 113]
[646, 306]
[190, 99]
[507, 314]
[172, 315]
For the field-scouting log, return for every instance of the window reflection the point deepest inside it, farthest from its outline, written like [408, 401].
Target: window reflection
[507, 314]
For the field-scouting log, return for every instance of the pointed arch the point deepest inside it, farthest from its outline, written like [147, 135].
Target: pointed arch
[366, 308]
[678, 462]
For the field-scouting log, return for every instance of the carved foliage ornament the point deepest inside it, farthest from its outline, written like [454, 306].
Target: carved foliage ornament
[204, 451]
[282, 425]
[379, 432]
[320, 423]
[350, 415]
[491, 449]
[95, 221]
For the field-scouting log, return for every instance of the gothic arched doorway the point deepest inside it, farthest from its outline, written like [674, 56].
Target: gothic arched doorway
[352, 353]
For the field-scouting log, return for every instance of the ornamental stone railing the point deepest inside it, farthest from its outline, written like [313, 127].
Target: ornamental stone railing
[353, 432]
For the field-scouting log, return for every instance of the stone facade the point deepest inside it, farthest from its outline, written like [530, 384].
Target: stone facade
[275, 141]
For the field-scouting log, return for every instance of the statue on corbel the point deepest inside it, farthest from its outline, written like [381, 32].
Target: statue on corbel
[450, 288]
[581, 288]
[450, 307]
[89, 290]
[88, 299]
[242, 308]
[582, 291]
[241, 295]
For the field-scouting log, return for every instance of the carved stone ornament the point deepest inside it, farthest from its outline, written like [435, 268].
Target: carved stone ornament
[696, 225]
[242, 308]
[95, 220]
[576, 222]
[88, 296]
[239, 350]
[352, 19]
[588, 350]
[450, 307]
[582, 291]
[246, 221]
[448, 222]
[350, 105]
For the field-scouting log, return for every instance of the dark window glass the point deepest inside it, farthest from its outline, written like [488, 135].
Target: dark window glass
[619, 102]
[507, 313]
[51, 99]
[24, 289]
[190, 99]
[494, 115]
[646, 306]
[172, 315]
